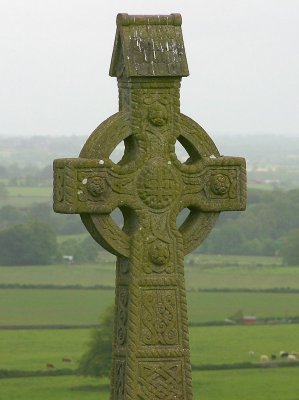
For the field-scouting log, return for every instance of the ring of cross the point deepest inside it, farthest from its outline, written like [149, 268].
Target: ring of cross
[101, 144]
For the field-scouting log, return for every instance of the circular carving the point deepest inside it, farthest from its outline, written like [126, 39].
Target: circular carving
[159, 253]
[157, 186]
[220, 184]
[157, 114]
[96, 186]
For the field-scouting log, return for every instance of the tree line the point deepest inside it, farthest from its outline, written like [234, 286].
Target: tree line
[269, 227]
[266, 228]
[28, 236]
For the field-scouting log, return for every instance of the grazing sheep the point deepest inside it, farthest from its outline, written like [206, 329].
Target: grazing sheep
[273, 356]
[283, 354]
[296, 354]
[292, 357]
[67, 360]
[50, 366]
[264, 358]
[251, 353]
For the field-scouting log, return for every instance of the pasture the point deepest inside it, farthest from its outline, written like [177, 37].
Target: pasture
[20, 196]
[81, 307]
[202, 272]
[232, 344]
[31, 350]
[267, 384]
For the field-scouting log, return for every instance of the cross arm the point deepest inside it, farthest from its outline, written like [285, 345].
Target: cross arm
[88, 186]
[218, 185]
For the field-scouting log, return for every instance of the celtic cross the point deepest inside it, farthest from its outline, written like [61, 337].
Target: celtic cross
[150, 185]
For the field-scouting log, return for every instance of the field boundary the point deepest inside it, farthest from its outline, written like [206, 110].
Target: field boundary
[47, 327]
[264, 321]
[5, 374]
[282, 290]
[55, 287]
[247, 365]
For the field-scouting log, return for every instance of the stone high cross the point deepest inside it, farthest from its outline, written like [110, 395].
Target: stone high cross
[150, 186]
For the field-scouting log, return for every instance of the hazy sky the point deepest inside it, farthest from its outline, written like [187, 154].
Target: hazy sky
[242, 55]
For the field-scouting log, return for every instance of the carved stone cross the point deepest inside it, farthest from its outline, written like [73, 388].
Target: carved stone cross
[150, 186]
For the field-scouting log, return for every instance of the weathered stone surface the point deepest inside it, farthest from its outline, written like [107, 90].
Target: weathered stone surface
[150, 186]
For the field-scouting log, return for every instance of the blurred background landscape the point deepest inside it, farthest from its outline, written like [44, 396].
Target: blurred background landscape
[242, 283]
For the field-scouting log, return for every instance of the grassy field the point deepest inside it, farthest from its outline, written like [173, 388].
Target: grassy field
[246, 385]
[26, 191]
[31, 350]
[265, 384]
[20, 196]
[73, 307]
[42, 307]
[54, 388]
[85, 275]
[201, 273]
[232, 344]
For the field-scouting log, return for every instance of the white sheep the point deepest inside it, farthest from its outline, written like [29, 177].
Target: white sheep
[292, 357]
[264, 358]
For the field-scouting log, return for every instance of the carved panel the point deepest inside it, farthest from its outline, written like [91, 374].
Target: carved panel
[122, 315]
[158, 317]
[160, 380]
[221, 183]
[119, 379]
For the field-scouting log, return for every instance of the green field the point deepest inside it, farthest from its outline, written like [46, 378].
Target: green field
[265, 384]
[201, 273]
[84, 275]
[73, 307]
[247, 385]
[20, 196]
[26, 191]
[232, 344]
[47, 307]
[31, 350]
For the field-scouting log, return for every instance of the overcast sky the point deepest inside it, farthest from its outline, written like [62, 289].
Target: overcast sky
[242, 55]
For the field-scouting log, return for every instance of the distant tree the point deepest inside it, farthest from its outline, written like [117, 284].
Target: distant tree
[3, 191]
[10, 215]
[30, 243]
[83, 250]
[225, 240]
[3, 172]
[69, 224]
[46, 173]
[97, 360]
[290, 248]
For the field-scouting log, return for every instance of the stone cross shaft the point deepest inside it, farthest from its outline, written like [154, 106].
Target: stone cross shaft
[151, 186]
